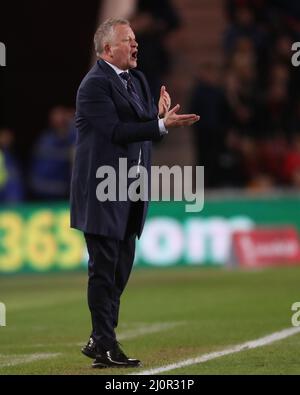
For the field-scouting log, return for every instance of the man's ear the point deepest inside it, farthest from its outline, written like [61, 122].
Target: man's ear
[107, 49]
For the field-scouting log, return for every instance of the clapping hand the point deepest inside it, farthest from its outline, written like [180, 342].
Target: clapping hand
[164, 104]
[173, 120]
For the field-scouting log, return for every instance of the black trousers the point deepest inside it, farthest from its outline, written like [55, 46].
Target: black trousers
[110, 265]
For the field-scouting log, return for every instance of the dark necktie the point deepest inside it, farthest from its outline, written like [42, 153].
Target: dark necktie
[131, 90]
[135, 97]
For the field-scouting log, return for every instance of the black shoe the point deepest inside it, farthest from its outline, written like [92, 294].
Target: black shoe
[90, 349]
[115, 358]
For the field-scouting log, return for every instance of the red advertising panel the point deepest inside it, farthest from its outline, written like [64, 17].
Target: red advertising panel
[267, 247]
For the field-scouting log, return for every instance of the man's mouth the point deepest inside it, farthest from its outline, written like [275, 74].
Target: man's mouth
[134, 55]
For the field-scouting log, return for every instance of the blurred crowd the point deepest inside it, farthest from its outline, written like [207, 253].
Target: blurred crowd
[47, 174]
[249, 134]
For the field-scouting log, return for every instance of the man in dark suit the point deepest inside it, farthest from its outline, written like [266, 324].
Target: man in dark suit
[116, 118]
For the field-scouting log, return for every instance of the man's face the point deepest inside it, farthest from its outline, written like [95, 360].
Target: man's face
[123, 48]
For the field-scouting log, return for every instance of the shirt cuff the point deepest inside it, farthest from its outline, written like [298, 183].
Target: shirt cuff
[162, 128]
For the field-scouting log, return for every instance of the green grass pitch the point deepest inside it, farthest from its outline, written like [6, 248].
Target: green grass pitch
[166, 316]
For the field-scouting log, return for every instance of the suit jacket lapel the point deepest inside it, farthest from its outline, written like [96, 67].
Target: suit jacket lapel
[112, 75]
[138, 86]
[145, 93]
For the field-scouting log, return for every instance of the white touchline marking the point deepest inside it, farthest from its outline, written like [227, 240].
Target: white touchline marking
[263, 341]
[13, 360]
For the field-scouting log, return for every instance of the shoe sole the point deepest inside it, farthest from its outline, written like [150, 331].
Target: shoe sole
[100, 366]
[103, 366]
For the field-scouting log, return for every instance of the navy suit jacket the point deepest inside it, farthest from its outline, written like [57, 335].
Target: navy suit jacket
[110, 126]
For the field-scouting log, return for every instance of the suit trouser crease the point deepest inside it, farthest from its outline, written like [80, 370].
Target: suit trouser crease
[109, 268]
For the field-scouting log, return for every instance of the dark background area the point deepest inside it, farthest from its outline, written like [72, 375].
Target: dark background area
[228, 61]
[49, 48]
